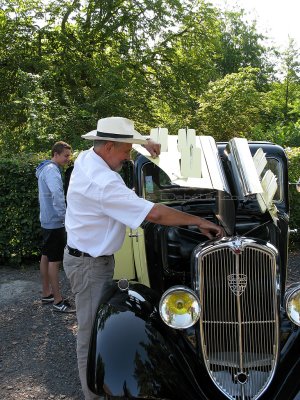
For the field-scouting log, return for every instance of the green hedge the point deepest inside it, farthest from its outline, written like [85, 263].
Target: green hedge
[293, 155]
[19, 216]
[20, 238]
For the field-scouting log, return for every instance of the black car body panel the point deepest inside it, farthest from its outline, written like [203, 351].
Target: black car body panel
[244, 345]
[136, 350]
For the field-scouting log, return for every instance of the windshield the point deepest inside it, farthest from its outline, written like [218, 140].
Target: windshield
[275, 166]
[158, 187]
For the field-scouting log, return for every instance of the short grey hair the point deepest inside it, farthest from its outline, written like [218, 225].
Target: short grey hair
[100, 143]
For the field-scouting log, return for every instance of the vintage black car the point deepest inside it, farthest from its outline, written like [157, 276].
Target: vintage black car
[191, 318]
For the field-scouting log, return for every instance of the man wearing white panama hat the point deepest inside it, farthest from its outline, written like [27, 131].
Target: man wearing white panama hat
[100, 206]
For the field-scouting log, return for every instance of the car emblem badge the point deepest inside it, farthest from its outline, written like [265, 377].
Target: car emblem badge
[237, 283]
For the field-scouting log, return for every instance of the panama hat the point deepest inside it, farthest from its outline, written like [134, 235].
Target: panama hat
[116, 129]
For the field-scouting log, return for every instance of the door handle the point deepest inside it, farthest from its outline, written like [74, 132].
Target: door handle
[134, 235]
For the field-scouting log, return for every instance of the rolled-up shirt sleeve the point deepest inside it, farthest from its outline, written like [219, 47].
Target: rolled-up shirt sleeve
[121, 203]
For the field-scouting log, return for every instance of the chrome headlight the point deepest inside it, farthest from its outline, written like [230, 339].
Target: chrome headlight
[292, 303]
[179, 307]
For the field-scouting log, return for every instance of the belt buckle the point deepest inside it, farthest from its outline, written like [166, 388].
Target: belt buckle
[77, 253]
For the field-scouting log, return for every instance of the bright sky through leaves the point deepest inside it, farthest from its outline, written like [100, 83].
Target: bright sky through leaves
[275, 18]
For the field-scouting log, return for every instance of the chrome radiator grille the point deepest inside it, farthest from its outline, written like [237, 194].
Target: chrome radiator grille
[239, 322]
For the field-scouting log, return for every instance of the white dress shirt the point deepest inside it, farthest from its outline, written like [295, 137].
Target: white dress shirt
[100, 206]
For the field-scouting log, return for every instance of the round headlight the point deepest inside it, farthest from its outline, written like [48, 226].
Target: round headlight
[179, 307]
[293, 303]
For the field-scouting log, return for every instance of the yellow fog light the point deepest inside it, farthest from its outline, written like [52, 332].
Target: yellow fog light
[179, 307]
[292, 302]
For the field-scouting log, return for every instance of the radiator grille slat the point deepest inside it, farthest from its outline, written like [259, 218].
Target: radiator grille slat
[239, 322]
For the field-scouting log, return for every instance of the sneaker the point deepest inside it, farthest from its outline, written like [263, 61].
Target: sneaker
[63, 306]
[48, 299]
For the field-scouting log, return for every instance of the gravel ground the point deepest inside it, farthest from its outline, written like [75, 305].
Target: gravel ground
[37, 345]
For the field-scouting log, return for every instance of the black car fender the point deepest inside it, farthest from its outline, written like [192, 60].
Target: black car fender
[286, 383]
[134, 354]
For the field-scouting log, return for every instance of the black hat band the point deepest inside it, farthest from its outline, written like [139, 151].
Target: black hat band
[113, 135]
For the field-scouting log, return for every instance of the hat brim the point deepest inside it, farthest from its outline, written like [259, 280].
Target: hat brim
[137, 138]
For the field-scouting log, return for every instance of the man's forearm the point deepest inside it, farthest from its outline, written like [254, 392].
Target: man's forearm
[161, 214]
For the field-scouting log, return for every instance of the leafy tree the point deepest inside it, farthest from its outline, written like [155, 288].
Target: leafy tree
[84, 62]
[186, 62]
[241, 45]
[281, 112]
[66, 64]
[231, 106]
[291, 71]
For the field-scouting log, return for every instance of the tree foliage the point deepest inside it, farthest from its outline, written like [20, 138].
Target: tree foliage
[240, 44]
[172, 63]
[65, 64]
[230, 106]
